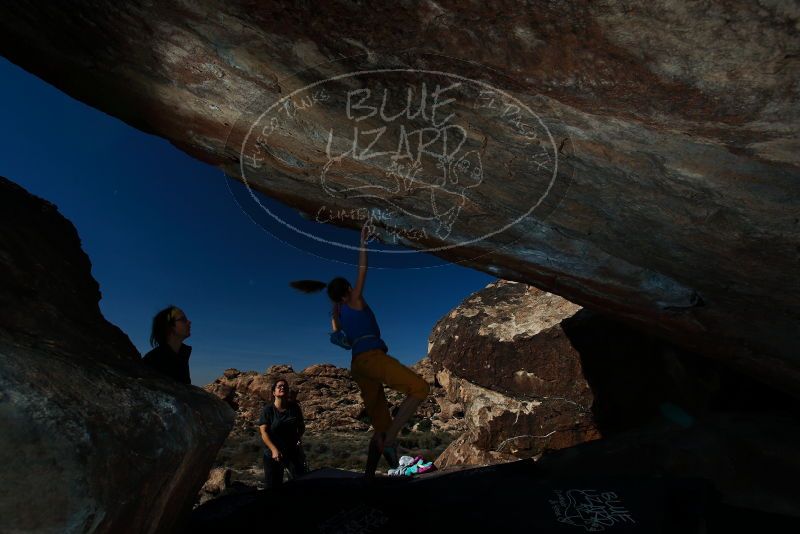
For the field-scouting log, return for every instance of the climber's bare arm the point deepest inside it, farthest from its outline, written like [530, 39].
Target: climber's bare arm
[358, 290]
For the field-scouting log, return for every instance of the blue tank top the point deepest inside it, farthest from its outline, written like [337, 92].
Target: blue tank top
[358, 323]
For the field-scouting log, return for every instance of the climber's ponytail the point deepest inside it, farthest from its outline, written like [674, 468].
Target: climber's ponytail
[308, 286]
[337, 288]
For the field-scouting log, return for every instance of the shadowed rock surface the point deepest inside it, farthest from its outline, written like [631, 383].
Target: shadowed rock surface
[673, 126]
[91, 441]
[512, 497]
[747, 456]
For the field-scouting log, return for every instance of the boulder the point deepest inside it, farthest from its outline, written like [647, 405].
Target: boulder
[504, 428]
[660, 138]
[231, 373]
[463, 451]
[104, 443]
[504, 356]
[508, 337]
[280, 370]
[219, 479]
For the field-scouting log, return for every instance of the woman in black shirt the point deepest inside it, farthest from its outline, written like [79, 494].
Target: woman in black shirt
[282, 426]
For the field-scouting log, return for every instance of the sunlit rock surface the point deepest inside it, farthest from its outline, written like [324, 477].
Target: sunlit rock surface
[674, 126]
[91, 440]
[503, 353]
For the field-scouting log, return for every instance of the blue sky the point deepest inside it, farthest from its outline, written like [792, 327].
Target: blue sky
[161, 228]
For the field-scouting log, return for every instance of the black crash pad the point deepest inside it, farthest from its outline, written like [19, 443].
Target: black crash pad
[512, 497]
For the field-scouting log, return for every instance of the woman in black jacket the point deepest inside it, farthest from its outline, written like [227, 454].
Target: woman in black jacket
[170, 356]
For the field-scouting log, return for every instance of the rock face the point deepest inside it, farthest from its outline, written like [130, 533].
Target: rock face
[508, 337]
[502, 428]
[105, 445]
[673, 127]
[504, 355]
[219, 480]
[48, 299]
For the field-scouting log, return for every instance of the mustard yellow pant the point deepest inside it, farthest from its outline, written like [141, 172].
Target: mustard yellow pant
[374, 368]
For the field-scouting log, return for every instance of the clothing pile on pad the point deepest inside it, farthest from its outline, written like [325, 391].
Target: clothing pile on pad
[412, 466]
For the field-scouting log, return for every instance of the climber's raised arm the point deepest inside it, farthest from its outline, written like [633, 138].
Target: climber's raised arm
[362, 265]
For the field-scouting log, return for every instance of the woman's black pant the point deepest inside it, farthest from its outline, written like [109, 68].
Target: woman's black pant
[292, 459]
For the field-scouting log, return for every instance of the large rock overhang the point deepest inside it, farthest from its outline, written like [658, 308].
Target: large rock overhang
[675, 128]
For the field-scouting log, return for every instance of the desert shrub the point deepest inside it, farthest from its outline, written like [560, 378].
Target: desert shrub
[246, 454]
[332, 449]
[239, 452]
[337, 450]
[428, 444]
[424, 425]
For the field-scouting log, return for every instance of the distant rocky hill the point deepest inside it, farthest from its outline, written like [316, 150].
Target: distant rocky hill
[330, 399]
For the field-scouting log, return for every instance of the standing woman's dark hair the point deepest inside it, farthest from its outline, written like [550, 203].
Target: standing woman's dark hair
[275, 386]
[162, 322]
